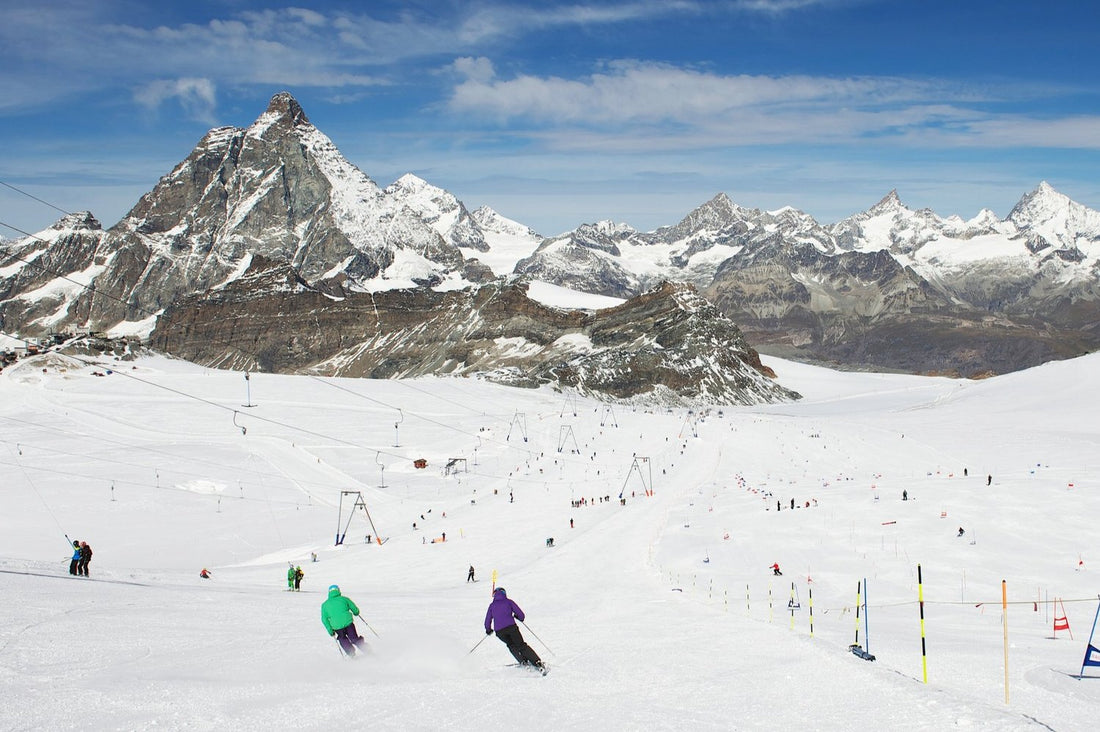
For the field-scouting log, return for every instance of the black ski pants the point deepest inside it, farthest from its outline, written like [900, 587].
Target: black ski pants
[349, 639]
[519, 649]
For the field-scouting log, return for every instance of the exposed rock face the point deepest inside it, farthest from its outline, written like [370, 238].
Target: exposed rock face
[887, 288]
[70, 247]
[669, 345]
[279, 190]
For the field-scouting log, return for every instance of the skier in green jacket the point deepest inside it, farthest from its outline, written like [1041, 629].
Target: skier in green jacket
[290, 578]
[338, 616]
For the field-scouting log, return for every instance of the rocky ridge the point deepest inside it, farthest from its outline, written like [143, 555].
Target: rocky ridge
[886, 288]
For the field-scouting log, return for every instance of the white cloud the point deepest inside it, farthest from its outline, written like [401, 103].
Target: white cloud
[478, 70]
[198, 97]
[634, 106]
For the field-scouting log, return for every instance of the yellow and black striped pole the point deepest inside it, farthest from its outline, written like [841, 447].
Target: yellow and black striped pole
[923, 647]
[811, 593]
[858, 599]
[790, 604]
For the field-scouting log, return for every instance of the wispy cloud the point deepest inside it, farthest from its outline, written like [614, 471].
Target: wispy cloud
[196, 96]
[90, 46]
[634, 105]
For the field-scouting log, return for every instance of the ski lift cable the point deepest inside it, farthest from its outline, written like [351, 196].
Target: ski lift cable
[119, 481]
[167, 321]
[34, 197]
[128, 446]
[124, 463]
[34, 488]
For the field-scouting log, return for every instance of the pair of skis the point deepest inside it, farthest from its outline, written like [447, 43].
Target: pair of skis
[543, 669]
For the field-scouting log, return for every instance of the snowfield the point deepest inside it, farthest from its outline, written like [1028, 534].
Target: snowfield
[655, 612]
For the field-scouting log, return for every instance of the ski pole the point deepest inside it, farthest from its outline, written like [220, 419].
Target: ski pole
[477, 644]
[339, 648]
[538, 639]
[357, 617]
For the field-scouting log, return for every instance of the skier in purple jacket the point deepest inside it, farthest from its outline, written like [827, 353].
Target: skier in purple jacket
[503, 614]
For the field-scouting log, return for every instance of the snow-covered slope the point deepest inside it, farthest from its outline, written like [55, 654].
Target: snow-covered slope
[508, 241]
[654, 612]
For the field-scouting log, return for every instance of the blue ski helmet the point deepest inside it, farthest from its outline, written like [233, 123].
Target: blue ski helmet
[500, 591]
[334, 587]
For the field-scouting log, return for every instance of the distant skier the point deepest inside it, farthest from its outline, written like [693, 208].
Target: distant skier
[338, 615]
[205, 573]
[298, 575]
[503, 614]
[905, 495]
[775, 570]
[290, 578]
[470, 575]
[961, 532]
[85, 558]
[989, 480]
[75, 563]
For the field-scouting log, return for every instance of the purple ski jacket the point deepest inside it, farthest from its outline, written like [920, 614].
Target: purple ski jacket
[500, 613]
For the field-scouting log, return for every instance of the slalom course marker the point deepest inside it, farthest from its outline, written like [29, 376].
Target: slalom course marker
[923, 646]
[855, 648]
[1061, 623]
[811, 595]
[1090, 649]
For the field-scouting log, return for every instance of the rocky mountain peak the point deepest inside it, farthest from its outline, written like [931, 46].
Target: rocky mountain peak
[77, 221]
[1055, 216]
[284, 105]
[890, 203]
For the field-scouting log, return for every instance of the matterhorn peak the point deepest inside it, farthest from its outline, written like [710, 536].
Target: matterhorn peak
[285, 105]
[283, 113]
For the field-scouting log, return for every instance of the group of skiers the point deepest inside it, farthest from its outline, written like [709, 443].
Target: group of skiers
[338, 614]
[294, 577]
[82, 555]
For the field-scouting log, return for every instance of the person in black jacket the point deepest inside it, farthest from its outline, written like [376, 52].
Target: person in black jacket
[85, 558]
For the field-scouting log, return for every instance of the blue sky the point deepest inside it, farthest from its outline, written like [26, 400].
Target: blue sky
[556, 114]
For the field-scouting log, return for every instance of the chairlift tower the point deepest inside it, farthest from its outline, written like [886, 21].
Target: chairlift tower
[452, 466]
[565, 434]
[519, 419]
[247, 391]
[356, 503]
[570, 402]
[607, 410]
[645, 475]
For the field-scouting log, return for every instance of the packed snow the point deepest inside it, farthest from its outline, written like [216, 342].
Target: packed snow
[655, 612]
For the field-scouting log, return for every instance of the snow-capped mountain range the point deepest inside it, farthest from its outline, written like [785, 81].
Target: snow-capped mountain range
[890, 287]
